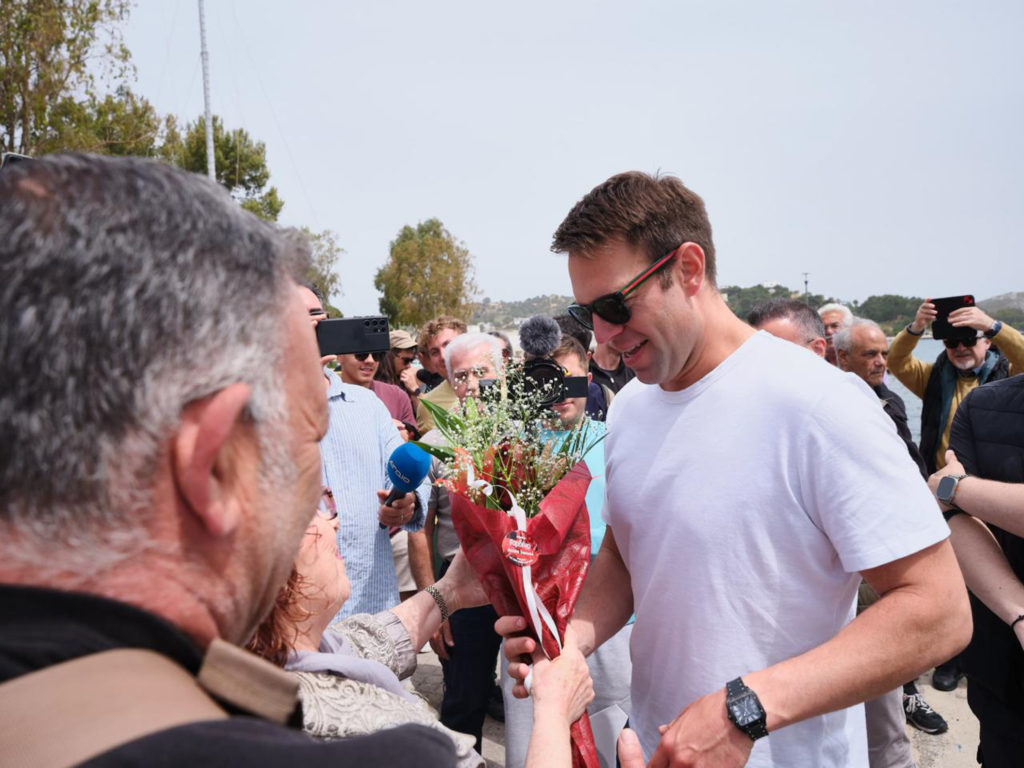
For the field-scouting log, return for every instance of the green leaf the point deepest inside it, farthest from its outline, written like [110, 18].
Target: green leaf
[447, 422]
[441, 452]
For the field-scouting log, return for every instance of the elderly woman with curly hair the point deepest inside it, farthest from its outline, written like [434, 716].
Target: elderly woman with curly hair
[349, 673]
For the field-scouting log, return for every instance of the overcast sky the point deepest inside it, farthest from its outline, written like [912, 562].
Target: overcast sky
[876, 145]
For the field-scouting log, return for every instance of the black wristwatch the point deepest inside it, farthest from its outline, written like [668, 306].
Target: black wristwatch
[946, 489]
[745, 710]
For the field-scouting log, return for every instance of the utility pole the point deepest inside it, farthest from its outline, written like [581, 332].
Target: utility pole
[211, 169]
[805, 274]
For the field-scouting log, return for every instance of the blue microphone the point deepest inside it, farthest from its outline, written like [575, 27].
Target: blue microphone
[407, 466]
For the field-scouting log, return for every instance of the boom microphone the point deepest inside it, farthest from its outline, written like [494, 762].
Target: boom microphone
[539, 335]
[407, 466]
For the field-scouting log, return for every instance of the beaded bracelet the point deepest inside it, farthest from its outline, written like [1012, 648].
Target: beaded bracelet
[442, 606]
[1016, 621]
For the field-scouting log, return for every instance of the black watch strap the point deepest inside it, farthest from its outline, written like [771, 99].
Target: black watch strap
[740, 702]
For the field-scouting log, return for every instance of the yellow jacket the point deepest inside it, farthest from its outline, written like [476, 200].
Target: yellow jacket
[914, 373]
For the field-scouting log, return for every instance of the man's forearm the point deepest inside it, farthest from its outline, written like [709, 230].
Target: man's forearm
[911, 372]
[606, 602]
[986, 570]
[922, 618]
[1001, 504]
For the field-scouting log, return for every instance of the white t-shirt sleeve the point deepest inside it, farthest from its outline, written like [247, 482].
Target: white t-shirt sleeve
[860, 485]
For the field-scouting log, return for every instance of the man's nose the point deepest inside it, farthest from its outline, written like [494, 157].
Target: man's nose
[603, 330]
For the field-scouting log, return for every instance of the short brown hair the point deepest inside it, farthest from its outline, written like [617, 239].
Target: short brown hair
[655, 213]
[569, 346]
[433, 327]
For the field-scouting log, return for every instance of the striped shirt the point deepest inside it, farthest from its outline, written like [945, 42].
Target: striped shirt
[360, 438]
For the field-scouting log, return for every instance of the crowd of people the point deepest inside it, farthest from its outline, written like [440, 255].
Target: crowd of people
[859, 346]
[774, 559]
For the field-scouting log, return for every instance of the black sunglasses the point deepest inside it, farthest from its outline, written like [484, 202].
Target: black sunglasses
[361, 356]
[612, 307]
[954, 343]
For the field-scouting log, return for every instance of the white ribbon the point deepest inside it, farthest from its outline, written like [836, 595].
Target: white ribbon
[539, 614]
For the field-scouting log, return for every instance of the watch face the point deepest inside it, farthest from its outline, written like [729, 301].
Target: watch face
[944, 492]
[746, 710]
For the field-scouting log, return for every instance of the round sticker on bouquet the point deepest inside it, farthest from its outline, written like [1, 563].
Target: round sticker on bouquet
[519, 548]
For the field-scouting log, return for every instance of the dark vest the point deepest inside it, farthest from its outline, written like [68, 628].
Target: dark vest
[897, 411]
[938, 398]
[988, 437]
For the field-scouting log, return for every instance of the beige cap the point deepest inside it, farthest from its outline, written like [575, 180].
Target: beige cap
[402, 340]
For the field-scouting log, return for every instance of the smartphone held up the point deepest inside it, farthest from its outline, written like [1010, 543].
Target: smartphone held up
[941, 327]
[353, 335]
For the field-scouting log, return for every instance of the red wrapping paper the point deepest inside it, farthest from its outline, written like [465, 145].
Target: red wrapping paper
[561, 534]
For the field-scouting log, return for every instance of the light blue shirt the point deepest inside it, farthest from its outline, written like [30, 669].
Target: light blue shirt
[360, 438]
[595, 491]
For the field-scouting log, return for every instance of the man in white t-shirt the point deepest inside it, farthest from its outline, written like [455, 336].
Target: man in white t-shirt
[749, 488]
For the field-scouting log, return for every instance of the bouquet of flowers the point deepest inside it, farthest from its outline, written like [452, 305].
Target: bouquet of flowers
[518, 506]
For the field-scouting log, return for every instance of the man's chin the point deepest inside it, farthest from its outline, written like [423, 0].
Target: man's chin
[963, 364]
[650, 376]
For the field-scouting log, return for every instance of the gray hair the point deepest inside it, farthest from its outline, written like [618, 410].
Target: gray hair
[128, 290]
[843, 338]
[467, 342]
[833, 307]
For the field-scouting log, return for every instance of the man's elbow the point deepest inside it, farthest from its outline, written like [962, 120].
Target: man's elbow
[953, 625]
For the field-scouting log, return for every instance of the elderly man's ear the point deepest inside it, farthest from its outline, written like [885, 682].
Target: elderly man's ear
[203, 460]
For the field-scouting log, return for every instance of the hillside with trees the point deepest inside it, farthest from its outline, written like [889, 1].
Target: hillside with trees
[508, 314]
[890, 311]
[1008, 307]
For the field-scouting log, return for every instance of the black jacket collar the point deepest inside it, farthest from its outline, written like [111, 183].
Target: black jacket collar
[42, 627]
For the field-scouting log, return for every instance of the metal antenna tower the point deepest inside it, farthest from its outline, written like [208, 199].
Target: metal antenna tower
[211, 169]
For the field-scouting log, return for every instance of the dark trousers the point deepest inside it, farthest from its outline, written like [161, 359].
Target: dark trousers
[1000, 750]
[469, 672]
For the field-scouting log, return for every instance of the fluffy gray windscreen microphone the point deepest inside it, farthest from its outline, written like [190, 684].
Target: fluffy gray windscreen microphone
[539, 335]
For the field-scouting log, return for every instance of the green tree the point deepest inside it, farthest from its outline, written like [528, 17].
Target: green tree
[888, 307]
[428, 273]
[742, 300]
[326, 252]
[53, 51]
[241, 163]
[890, 311]
[1010, 316]
[121, 123]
